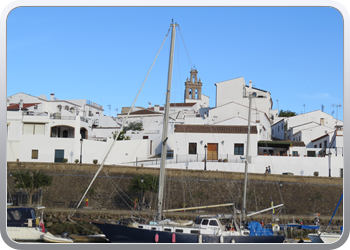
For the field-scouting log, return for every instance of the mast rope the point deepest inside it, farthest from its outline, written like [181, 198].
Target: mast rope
[111, 146]
[188, 55]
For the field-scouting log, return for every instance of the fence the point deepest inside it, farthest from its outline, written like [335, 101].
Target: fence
[188, 158]
[22, 198]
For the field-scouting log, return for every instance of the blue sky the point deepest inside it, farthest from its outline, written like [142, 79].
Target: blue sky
[103, 54]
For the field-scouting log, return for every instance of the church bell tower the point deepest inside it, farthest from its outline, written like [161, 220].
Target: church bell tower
[193, 89]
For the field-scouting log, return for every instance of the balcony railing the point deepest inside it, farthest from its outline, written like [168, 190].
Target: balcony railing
[189, 158]
[35, 113]
[56, 117]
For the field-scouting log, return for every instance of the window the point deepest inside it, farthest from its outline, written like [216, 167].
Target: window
[295, 153]
[320, 145]
[198, 221]
[35, 154]
[213, 223]
[325, 144]
[167, 229]
[278, 129]
[281, 126]
[179, 230]
[239, 149]
[145, 137]
[205, 222]
[33, 129]
[192, 148]
[194, 232]
[311, 153]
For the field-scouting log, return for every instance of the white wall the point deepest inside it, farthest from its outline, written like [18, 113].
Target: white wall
[304, 166]
[182, 140]
[278, 130]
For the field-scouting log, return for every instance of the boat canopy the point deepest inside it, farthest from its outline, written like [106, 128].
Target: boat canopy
[18, 217]
[257, 230]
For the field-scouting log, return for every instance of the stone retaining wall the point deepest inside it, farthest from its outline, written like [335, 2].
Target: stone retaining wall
[302, 195]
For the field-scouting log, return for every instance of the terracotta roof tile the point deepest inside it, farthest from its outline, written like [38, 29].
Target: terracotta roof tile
[219, 129]
[15, 106]
[143, 112]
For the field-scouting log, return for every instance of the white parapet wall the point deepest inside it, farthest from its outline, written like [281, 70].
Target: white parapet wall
[303, 166]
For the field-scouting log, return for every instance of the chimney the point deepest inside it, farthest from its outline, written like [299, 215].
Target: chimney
[149, 105]
[20, 104]
[52, 96]
[156, 107]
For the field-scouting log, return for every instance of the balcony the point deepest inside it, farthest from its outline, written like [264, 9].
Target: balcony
[35, 113]
[57, 116]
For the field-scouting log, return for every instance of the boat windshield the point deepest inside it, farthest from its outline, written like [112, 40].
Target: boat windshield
[198, 221]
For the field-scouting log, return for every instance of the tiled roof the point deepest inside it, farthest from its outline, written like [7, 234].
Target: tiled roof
[293, 143]
[15, 106]
[182, 104]
[143, 112]
[220, 129]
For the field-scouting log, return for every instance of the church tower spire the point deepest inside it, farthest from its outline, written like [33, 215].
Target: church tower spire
[193, 89]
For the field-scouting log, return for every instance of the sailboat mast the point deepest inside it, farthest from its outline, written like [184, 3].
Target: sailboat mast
[247, 155]
[165, 125]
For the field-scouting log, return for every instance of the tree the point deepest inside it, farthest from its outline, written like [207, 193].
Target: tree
[150, 184]
[32, 181]
[134, 126]
[286, 113]
[121, 136]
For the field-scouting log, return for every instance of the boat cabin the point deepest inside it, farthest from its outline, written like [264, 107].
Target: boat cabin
[24, 216]
[21, 217]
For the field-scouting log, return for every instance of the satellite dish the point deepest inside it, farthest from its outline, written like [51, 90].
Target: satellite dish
[254, 94]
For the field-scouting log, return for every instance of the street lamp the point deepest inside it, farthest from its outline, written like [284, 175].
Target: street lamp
[142, 190]
[205, 158]
[329, 164]
[81, 150]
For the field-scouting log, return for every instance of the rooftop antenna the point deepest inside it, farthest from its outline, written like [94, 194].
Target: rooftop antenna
[278, 105]
[116, 113]
[337, 106]
[109, 106]
[322, 107]
[304, 108]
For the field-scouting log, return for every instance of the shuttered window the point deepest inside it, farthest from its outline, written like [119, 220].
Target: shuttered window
[33, 129]
[35, 154]
[28, 129]
[192, 148]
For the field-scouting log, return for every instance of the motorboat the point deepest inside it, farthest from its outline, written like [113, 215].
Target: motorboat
[23, 225]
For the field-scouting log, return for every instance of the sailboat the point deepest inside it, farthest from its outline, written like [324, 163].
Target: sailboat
[327, 237]
[223, 228]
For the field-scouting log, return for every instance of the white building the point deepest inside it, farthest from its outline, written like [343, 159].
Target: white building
[42, 130]
[308, 127]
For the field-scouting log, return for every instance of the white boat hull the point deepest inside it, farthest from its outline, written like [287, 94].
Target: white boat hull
[53, 239]
[24, 233]
[329, 237]
[324, 238]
